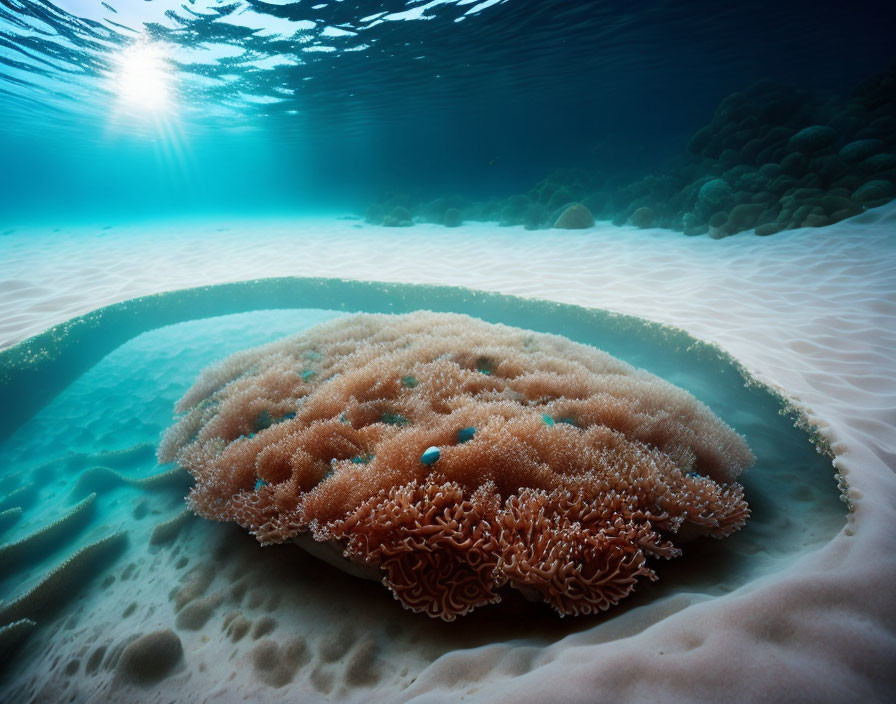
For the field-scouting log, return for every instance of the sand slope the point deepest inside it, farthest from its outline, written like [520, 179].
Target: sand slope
[811, 313]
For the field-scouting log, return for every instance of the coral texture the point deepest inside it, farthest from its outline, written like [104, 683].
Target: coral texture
[558, 471]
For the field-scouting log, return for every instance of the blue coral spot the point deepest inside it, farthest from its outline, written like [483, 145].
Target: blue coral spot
[466, 434]
[484, 366]
[547, 419]
[263, 421]
[431, 456]
[409, 381]
[394, 419]
[260, 483]
[308, 374]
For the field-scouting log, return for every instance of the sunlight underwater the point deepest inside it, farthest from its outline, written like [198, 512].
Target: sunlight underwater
[495, 350]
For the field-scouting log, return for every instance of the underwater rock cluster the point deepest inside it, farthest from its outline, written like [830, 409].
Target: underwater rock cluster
[453, 458]
[771, 158]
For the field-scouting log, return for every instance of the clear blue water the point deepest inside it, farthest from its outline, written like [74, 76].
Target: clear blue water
[298, 107]
[154, 109]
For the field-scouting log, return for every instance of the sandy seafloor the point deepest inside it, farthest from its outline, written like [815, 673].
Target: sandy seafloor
[811, 313]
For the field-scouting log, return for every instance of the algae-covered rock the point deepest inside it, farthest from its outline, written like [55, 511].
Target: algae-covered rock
[514, 210]
[729, 157]
[693, 226]
[874, 193]
[151, 657]
[717, 225]
[643, 217]
[718, 219]
[536, 217]
[782, 183]
[452, 218]
[834, 204]
[794, 164]
[815, 220]
[714, 194]
[434, 211]
[861, 149]
[375, 214]
[559, 198]
[829, 167]
[813, 139]
[770, 171]
[399, 216]
[750, 151]
[839, 215]
[743, 217]
[574, 217]
[770, 228]
[877, 164]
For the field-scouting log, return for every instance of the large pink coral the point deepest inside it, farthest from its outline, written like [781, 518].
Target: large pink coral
[560, 471]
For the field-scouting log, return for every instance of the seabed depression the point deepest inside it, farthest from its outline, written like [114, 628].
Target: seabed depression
[274, 614]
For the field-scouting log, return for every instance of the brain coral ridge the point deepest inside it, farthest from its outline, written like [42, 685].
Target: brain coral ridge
[560, 470]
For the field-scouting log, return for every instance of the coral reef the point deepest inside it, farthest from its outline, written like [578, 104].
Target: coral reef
[456, 458]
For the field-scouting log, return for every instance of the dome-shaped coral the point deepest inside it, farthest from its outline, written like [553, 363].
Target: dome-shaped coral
[558, 471]
[575, 216]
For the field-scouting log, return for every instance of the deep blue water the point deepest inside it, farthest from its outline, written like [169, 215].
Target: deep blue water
[298, 107]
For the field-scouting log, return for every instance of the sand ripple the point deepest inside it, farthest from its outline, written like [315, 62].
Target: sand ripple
[812, 313]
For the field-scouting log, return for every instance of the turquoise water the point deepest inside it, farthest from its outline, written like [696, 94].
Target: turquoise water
[157, 107]
[702, 119]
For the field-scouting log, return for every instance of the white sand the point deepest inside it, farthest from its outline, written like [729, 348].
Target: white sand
[811, 313]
